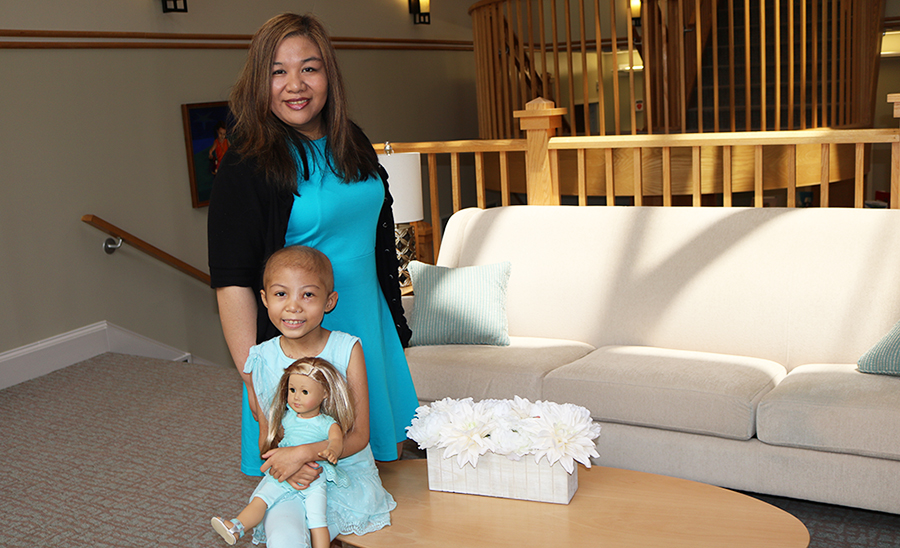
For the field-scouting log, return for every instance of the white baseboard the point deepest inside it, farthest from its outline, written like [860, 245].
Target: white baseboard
[37, 359]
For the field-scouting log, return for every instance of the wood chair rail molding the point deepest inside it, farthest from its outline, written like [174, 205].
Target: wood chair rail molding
[145, 247]
[75, 39]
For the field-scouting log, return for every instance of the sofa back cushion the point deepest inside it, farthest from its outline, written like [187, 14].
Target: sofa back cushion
[789, 285]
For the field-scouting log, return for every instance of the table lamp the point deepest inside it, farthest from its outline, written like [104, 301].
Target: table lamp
[405, 180]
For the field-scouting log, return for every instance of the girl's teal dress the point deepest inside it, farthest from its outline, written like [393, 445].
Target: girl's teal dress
[357, 502]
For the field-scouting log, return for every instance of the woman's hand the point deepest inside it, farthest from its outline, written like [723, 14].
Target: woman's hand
[296, 465]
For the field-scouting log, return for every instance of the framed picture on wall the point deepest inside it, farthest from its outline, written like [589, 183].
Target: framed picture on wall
[207, 128]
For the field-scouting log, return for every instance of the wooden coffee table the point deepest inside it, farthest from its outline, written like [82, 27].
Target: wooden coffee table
[612, 508]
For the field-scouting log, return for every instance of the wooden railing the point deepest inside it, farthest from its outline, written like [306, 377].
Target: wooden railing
[693, 65]
[145, 247]
[662, 167]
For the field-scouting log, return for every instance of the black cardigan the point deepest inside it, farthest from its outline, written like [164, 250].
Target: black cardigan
[248, 220]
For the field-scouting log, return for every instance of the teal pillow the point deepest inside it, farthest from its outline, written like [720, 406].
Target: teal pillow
[464, 305]
[884, 357]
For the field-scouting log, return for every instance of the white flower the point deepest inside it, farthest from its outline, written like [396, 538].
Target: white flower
[563, 433]
[466, 434]
[513, 428]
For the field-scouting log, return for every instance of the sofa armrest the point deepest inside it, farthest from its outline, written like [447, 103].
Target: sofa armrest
[407, 301]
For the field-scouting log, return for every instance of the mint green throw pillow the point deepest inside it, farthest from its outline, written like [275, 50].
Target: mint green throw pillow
[464, 305]
[884, 357]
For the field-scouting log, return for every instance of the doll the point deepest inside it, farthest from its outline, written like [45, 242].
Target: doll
[312, 404]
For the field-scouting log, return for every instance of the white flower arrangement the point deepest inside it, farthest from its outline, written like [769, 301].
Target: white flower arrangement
[514, 428]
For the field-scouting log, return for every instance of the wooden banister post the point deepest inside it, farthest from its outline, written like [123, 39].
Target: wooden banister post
[895, 98]
[540, 120]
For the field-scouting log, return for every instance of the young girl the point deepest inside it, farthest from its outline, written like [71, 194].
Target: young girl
[298, 290]
[317, 395]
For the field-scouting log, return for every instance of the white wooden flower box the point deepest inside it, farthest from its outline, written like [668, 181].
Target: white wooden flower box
[497, 476]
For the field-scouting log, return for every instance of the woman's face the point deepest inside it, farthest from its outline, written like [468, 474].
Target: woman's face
[299, 86]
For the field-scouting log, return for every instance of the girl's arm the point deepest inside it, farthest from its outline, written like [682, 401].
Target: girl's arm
[263, 430]
[237, 312]
[335, 444]
[284, 462]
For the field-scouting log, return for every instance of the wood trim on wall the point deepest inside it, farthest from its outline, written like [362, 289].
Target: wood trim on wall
[68, 39]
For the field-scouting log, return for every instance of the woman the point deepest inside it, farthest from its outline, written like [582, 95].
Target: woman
[299, 171]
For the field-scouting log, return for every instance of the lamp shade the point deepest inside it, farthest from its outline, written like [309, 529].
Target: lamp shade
[405, 180]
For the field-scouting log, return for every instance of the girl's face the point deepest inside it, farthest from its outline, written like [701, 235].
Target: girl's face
[305, 395]
[297, 300]
[299, 86]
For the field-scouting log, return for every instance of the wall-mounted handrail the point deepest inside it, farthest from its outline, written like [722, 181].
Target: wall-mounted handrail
[147, 248]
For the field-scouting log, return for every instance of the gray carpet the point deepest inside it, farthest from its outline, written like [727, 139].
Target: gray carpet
[124, 451]
[120, 451]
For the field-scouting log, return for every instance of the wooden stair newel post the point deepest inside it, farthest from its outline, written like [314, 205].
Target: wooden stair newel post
[540, 120]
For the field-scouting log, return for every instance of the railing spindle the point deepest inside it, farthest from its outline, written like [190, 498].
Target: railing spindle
[586, 114]
[758, 176]
[696, 185]
[554, 23]
[610, 178]
[479, 180]
[763, 126]
[726, 176]
[667, 176]
[824, 187]
[433, 191]
[600, 86]
[859, 179]
[792, 176]
[455, 181]
[715, 62]
[504, 179]
[698, 40]
[520, 53]
[777, 59]
[582, 177]
[747, 79]
[790, 123]
[614, 38]
[682, 76]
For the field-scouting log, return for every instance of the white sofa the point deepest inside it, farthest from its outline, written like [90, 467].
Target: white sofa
[713, 344]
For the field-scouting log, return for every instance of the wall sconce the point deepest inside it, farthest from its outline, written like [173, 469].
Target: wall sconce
[174, 5]
[421, 11]
[405, 179]
[636, 12]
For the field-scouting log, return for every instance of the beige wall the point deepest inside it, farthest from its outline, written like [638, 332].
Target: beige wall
[99, 131]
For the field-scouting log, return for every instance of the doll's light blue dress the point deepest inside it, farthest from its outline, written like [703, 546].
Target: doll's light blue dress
[358, 506]
[339, 219]
[300, 431]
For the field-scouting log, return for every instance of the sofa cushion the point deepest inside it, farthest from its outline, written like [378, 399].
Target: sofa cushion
[698, 392]
[884, 356]
[480, 371]
[835, 408]
[459, 305]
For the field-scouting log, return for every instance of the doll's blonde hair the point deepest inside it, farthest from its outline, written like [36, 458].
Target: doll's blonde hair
[338, 404]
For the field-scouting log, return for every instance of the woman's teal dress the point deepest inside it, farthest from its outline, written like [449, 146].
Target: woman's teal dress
[339, 219]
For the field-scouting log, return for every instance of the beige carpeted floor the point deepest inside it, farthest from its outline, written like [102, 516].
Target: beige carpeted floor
[120, 451]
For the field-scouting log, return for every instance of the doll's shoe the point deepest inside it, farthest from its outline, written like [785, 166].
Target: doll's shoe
[229, 534]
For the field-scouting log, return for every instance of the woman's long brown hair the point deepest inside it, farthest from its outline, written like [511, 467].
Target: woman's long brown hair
[259, 134]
